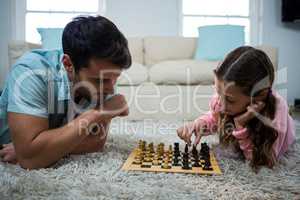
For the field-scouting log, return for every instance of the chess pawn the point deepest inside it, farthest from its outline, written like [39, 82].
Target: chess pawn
[147, 159]
[155, 162]
[186, 149]
[166, 165]
[137, 161]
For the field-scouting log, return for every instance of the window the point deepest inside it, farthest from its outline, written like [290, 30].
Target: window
[213, 12]
[55, 14]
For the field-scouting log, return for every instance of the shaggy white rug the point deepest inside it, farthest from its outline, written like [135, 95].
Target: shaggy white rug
[98, 175]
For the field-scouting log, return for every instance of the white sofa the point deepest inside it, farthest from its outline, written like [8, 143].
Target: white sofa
[164, 82]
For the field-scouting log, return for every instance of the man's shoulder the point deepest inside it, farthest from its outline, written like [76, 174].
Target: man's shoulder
[40, 59]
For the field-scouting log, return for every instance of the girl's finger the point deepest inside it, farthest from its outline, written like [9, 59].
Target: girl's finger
[260, 106]
[189, 136]
[185, 136]
[179, 133]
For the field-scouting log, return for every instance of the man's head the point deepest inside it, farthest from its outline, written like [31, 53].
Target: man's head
[95, 53]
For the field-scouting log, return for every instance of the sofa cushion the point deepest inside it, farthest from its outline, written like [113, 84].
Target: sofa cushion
[135, 75]
[183, 72]
[158, 49]
[51, 37]
[136, 48]
[215, 41]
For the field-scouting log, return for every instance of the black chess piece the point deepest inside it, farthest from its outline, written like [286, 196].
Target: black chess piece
[204, 151]
[176, 144]
[207, 165]
[176, 162]
[196, 163]
[185, 164]
[194, 150]
[186, 149]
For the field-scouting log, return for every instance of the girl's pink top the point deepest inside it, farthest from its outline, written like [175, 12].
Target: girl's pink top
[282, 122]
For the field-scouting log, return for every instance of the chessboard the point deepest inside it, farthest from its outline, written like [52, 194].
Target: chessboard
[148, 158]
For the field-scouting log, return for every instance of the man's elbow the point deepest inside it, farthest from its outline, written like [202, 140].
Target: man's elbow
[32, 163]
[28, 164]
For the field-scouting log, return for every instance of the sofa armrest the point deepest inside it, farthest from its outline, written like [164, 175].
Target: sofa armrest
[17, 48]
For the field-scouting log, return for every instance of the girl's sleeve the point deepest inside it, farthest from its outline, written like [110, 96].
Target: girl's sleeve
[285, 127]
[244, 141]
[208, 122]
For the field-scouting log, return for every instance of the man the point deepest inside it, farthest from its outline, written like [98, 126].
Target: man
[57, 103]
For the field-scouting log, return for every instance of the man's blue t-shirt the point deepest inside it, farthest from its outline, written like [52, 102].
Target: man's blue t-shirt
[28, 88]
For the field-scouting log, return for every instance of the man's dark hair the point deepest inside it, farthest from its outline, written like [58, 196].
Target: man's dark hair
[88, 37]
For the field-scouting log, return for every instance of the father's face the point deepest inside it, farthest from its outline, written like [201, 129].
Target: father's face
[97, 80]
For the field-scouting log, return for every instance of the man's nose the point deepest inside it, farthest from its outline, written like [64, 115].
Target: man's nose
[110, 87]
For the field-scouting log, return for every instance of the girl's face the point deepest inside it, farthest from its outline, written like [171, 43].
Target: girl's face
[233, 101]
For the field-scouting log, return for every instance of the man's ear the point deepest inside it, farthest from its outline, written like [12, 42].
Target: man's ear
[66, 60]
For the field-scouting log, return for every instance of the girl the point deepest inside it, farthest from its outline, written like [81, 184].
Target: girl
[246, 112]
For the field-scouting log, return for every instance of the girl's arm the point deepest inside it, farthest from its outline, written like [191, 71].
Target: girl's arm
[203, 125]
[207, 123]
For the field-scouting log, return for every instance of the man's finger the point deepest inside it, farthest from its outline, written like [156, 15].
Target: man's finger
[3, 152]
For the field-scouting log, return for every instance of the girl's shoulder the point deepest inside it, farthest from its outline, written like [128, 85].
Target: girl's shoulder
[281, 103]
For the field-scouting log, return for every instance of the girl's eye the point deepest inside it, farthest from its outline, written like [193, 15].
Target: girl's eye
[229, 101]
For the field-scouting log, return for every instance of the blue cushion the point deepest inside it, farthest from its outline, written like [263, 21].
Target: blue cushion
[51, 37]
[215, 41]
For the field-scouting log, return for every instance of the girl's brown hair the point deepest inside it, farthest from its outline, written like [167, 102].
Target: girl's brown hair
[252, 71]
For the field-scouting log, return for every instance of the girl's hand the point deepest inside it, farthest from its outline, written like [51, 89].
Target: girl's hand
[8, 153]
[185, 133]
[241, 120]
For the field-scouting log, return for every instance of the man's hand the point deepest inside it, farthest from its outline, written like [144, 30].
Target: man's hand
[115, 106]
[8, 153]
[241, 120]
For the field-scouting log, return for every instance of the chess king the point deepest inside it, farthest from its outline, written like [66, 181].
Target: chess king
[60, 102]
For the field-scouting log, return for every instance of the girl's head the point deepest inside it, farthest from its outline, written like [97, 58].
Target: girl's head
[245, 77]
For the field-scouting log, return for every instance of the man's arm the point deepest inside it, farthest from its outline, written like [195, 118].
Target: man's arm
[38, 147]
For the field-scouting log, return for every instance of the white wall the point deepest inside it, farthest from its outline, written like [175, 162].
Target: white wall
[5, 36]
[286, 37]
[160, 18]
[145, 17]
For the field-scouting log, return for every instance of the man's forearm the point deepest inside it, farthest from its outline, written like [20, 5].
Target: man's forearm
[51, 145]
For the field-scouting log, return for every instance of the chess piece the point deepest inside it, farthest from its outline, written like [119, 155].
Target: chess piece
[165, 164]
[155, 162]
[147, 159]
[194, 150]
[185, 165]
[137, 161]
[186, 149]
